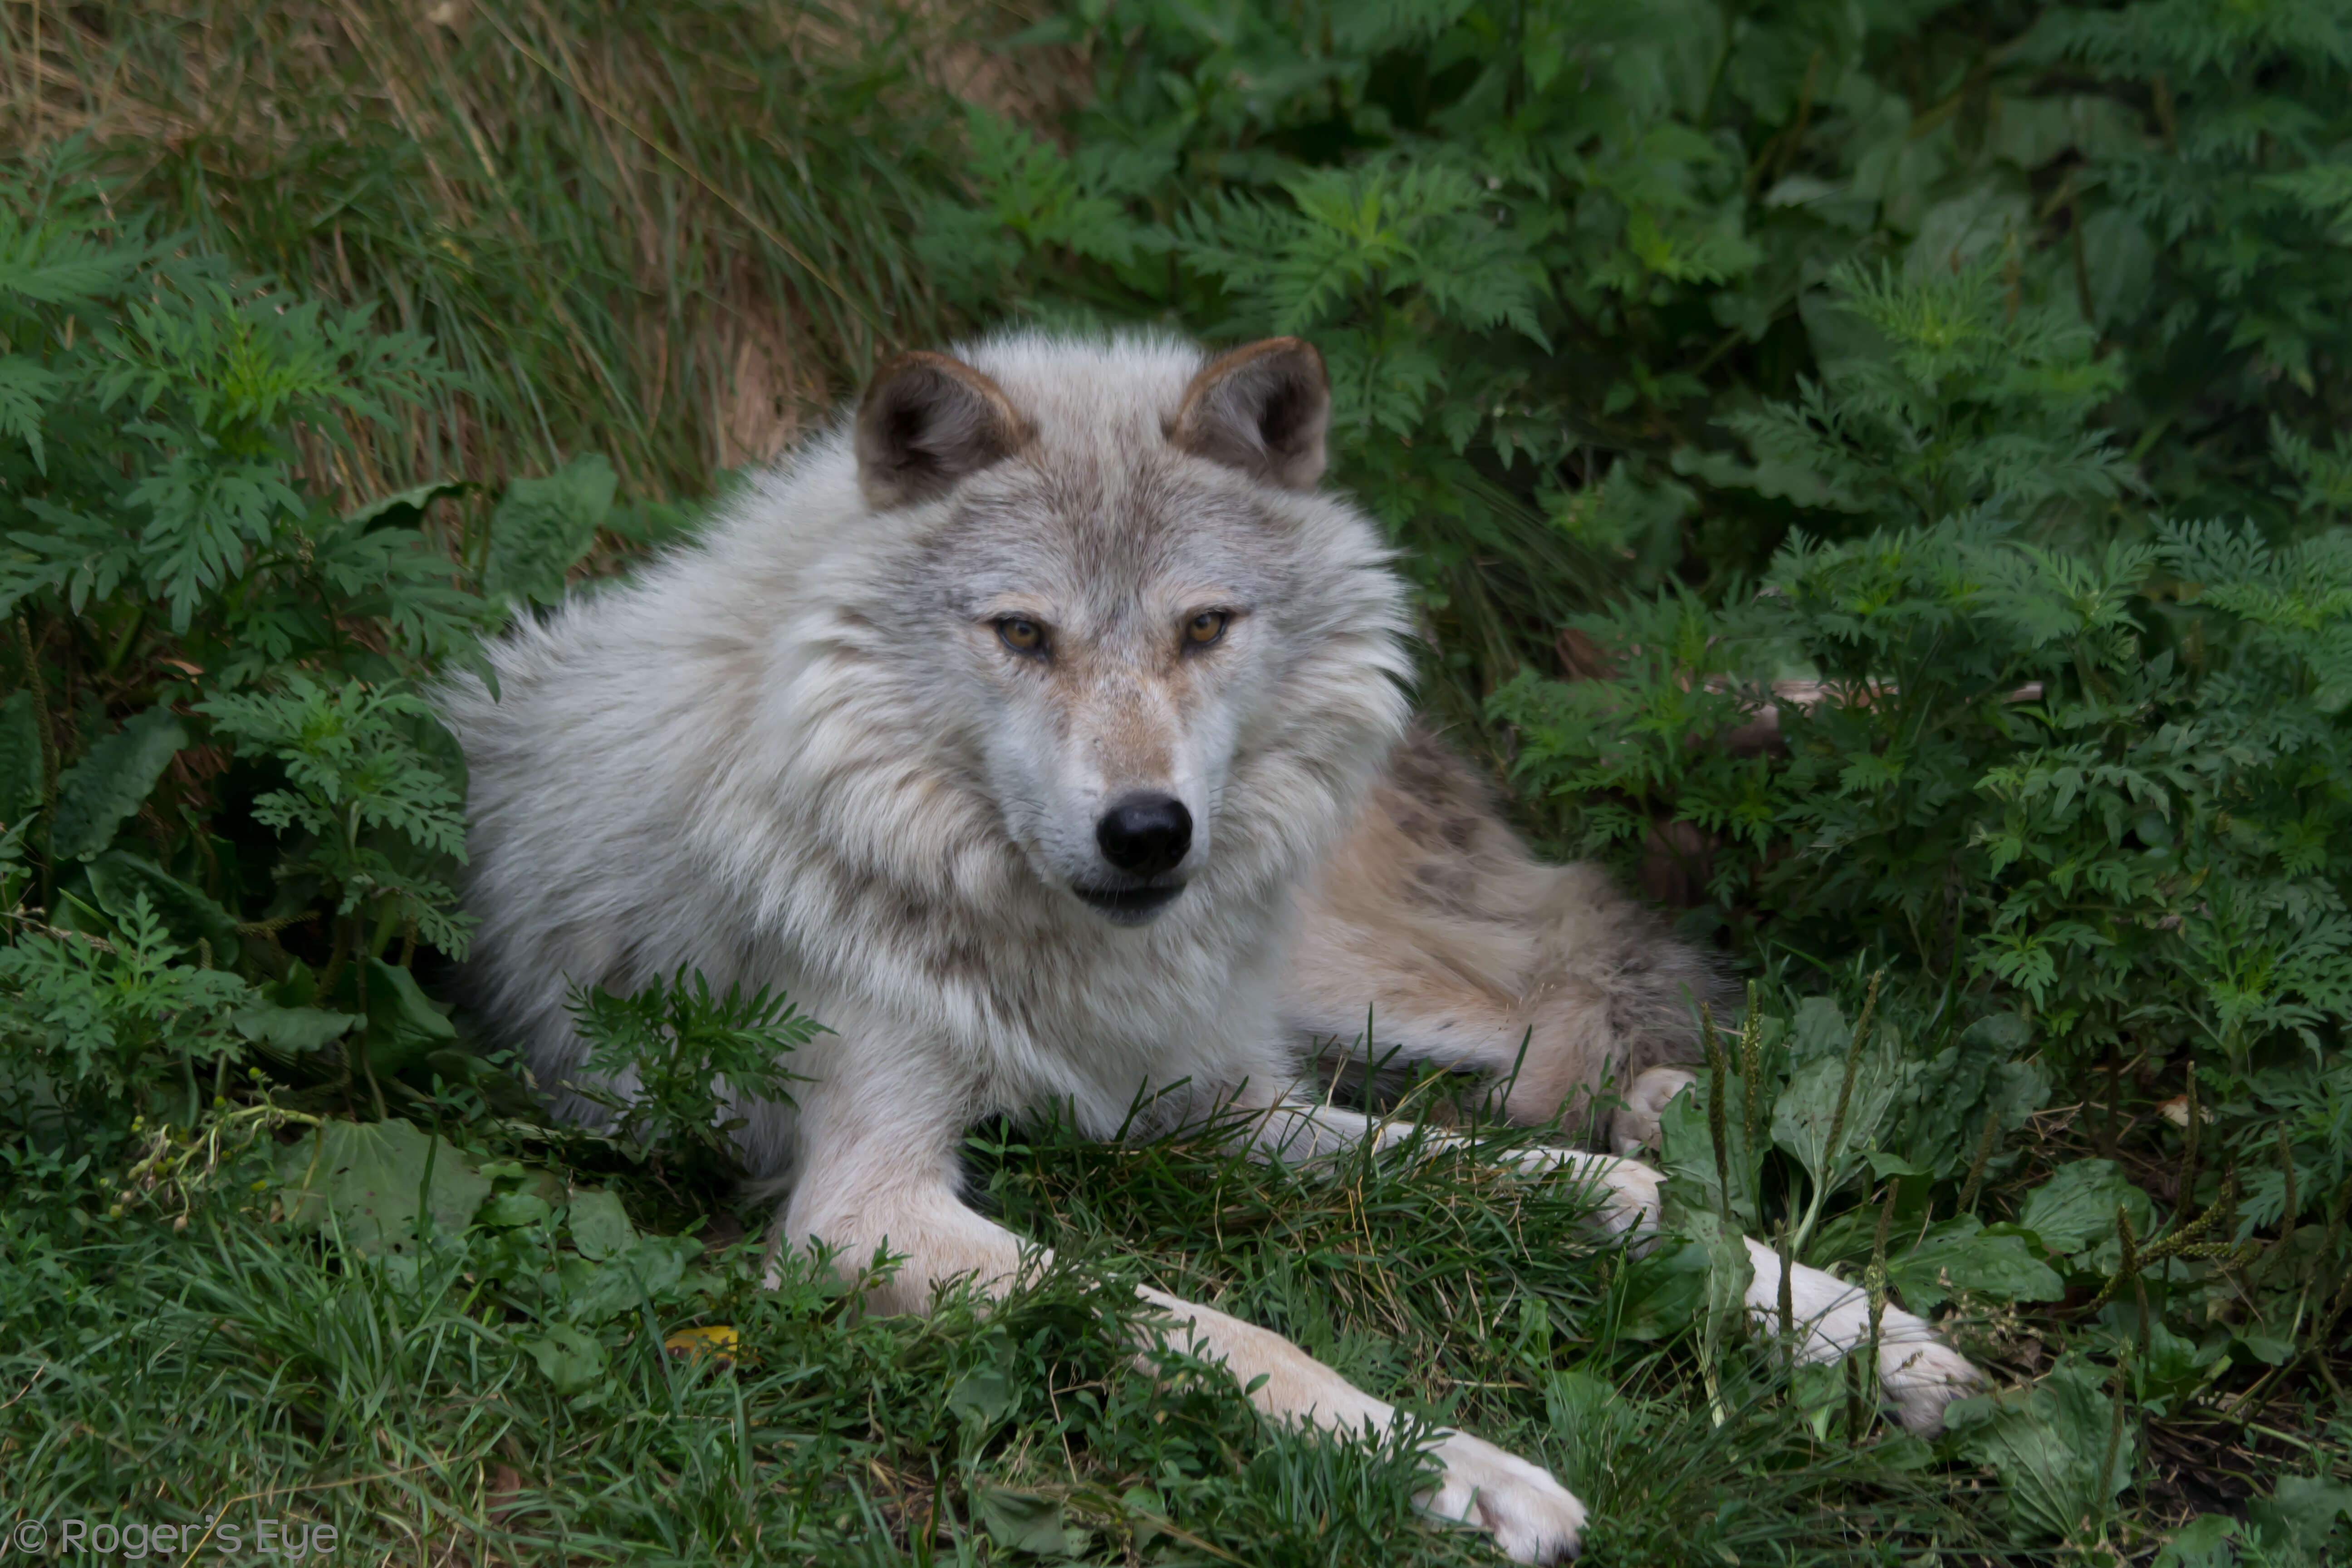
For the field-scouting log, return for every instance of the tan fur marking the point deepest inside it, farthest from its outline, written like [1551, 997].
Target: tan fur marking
[1432, 915]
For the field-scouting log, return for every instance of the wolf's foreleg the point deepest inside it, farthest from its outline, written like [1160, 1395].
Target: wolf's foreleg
[1920, 1374]
[1532, 1517]
[878, 1173]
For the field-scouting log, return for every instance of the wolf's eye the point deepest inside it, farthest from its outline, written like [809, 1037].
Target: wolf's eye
[1205, 628]
[1022, 635]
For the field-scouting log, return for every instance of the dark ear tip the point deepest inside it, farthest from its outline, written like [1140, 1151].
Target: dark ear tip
[1264, 408]
[895, 372]
[1282, 353]
[927, 420]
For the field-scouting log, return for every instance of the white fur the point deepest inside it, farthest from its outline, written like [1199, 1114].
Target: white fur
[799, 754]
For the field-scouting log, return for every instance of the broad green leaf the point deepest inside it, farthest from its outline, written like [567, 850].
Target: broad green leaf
[1806, 1109]
[2302, 1515]
[1022, 1522]
[2048, 1442]
[406, 509]
[1820, 1030]
[108, 785]
[568, 1357]
[2202, 1542]
[507, 1210]
[2075, 1209]
[293, 1028]
[982, 1397]
[1959, 1255]
[1951, 1093]
[118, 877]
[403, 1023]
[649, 1271]
[600, 1226]
[541, 527]
[363, 1180]
[1664, 1290]
[1729, 1272]
[1687, 1152]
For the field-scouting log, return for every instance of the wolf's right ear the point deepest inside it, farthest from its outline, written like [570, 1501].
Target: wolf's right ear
[1263, 408]
[927, 421]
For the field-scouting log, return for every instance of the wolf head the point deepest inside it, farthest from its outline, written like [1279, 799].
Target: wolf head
[1162, 655]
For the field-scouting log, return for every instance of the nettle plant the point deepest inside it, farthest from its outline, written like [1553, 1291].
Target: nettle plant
[2092, 797]
[232, 823]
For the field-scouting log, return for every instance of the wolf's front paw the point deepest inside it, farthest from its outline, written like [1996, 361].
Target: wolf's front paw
[1921, 1376]
[1532, 1518]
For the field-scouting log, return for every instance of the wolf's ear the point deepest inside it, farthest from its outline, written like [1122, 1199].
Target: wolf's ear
[1263, 408]
[925, 422]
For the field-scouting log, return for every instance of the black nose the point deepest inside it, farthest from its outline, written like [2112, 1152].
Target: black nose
[1145, 834]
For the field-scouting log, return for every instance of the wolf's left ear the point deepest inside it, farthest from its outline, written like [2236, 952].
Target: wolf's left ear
[1263, 408]
[927, 421]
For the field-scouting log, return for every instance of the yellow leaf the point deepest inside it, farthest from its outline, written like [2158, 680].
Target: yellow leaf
[717, 1340]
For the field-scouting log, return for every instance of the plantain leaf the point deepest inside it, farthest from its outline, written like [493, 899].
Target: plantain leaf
[2049, 1442]
[365, 1178]
[118, 879]
[406, 509]
[568, 1358]
[98, 793]
[542, 526]
[1960, 1255]
[2075, 1210]
[599, 1227]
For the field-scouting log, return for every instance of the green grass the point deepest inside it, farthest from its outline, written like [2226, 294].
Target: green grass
[234, 1368]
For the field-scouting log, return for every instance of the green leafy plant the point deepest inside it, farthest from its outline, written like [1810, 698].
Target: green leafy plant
[687, 1056]
[231, 820]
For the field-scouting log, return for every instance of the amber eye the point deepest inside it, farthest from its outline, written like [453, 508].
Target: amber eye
[1205, 628]
[1022, 635]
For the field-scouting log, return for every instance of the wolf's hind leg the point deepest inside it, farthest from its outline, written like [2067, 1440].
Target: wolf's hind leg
[1635, 1126]
[1433, 919]
[1920, 1374]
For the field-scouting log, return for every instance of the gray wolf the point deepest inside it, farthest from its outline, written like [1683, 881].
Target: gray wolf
[1043, 731]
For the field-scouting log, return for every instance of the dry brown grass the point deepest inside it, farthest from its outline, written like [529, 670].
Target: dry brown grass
[675, 233]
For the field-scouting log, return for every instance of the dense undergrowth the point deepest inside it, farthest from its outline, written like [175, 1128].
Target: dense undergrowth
[1875, 473]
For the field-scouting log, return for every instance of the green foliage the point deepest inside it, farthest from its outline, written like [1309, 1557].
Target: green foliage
[94, 1021]
[687, 1057]
[225, 799]
[354, 766]
[673, 236]
[544, 526]
[1578, 267]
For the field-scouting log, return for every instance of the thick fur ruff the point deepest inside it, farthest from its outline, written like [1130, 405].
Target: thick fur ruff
[767, 759]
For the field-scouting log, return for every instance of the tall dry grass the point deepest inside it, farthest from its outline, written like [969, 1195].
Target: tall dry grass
[671, 233]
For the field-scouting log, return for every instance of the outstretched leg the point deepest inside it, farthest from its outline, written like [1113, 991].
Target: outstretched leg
[1920, 1374]
[877, 1171]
